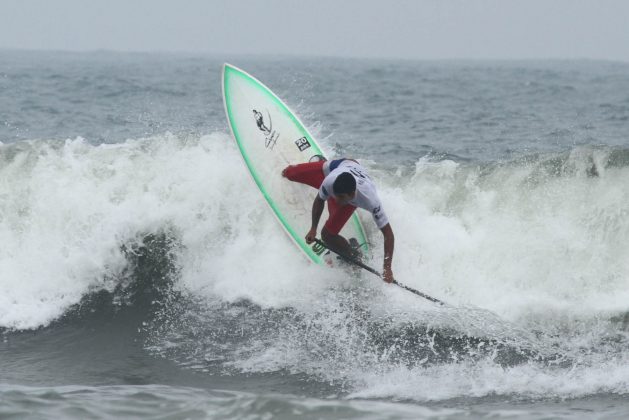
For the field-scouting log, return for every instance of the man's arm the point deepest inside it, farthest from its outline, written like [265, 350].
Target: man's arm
[389, 243]
[317, 210]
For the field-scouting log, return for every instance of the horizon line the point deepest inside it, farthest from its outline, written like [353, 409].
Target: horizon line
[217, 54]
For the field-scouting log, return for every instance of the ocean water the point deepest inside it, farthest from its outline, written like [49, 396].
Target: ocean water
[142, 275]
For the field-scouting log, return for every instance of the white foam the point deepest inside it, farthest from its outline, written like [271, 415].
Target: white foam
[540, 244]
[486, 378]
[511, 240]
[67, 209]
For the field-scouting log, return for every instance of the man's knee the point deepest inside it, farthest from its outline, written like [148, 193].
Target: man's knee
[326, 235]
[288, 172]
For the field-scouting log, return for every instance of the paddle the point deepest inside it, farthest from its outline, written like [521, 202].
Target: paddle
[371, 270]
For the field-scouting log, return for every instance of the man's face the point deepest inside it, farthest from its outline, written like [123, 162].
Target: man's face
[343, 199]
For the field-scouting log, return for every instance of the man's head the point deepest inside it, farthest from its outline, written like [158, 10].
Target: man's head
[344, 187]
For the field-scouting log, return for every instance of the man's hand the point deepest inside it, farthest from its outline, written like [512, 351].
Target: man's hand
[311, 235]
[387, 275]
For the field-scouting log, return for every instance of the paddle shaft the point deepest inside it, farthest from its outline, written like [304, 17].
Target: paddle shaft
[377, 273]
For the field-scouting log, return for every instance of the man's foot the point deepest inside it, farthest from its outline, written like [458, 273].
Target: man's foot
[356, 252]
[317, 158]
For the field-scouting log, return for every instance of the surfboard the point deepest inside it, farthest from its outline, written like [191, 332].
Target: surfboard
[270, 137]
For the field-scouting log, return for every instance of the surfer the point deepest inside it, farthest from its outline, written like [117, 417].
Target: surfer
[345, 185]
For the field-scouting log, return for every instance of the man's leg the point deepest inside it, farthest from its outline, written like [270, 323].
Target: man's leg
[310, 173]
[339, 215]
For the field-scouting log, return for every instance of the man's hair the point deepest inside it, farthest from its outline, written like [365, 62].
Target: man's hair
[345, 183]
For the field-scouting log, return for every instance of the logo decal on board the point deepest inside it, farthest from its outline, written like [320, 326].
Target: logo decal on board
[270, 135]
[302, 144]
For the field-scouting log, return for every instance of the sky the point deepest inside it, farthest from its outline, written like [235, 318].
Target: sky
[413, 29]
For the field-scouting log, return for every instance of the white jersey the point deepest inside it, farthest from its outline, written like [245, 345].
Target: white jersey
[366, 195]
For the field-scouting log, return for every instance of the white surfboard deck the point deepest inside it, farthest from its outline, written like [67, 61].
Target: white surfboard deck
[270, 137]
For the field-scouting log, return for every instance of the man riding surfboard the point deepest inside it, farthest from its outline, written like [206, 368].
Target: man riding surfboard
[345, 185]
